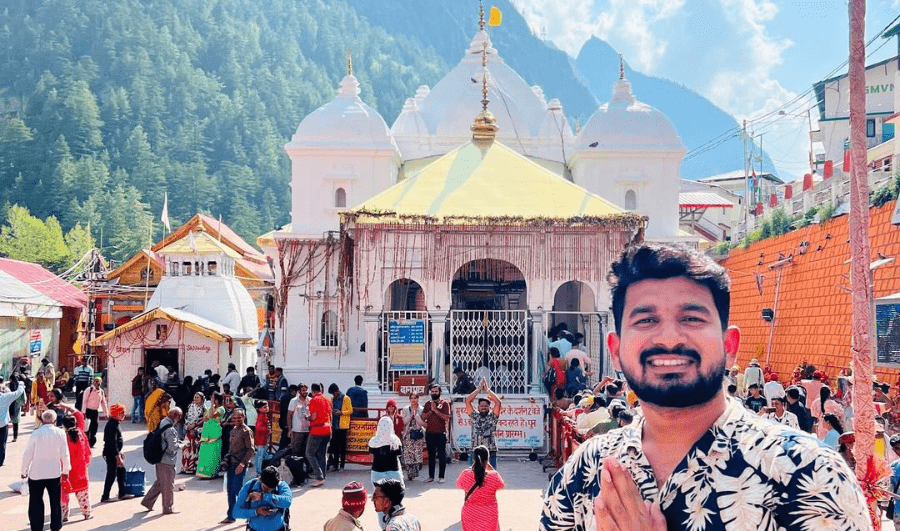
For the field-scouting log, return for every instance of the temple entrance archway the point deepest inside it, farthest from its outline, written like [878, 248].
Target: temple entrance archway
[488, 332]
[404, 295]
[574, 309]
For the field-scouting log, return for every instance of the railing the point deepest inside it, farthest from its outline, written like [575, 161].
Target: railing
[710, 227]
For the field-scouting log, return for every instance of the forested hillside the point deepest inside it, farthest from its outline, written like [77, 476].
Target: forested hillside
[104, 106]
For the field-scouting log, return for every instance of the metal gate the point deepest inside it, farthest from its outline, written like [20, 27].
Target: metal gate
[387, 375]
[492, 344]
[594, 326]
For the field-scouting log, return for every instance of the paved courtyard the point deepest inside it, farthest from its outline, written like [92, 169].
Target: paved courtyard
[202, 504]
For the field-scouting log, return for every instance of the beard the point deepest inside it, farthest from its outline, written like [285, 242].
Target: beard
[675, 391]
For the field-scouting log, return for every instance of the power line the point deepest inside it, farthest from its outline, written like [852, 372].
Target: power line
[735, 131]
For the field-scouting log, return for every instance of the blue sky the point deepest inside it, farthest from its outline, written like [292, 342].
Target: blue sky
[749, 57]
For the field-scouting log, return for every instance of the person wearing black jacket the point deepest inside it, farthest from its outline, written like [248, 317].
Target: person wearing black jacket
[112, 449]
[794, 406]
[283, 406]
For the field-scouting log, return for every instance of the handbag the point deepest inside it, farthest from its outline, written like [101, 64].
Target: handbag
[889, 512]
[416, 433]
[134, 481]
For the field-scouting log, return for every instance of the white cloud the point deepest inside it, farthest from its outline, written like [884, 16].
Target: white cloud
[720, 48]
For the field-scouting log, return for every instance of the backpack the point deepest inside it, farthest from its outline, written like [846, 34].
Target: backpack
[153, 446]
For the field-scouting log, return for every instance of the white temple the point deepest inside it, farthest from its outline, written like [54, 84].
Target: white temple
[200, 317]
[439, 242]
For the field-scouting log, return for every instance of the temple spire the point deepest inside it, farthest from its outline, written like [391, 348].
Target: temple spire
[485, 127]
[349, 63]
[621, 67]
[480, 15]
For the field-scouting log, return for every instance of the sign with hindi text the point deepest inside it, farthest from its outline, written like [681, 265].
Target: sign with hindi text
[521, 424]
[406, 344]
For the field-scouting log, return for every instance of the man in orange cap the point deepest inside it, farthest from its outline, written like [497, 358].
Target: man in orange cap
[112, 454]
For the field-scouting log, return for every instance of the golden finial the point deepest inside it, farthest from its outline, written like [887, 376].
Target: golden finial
[485, 126]
[349, 63]
[480, 15]
[621, 67]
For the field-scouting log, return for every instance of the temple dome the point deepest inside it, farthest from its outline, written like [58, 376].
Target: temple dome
[625, 123]
[344, 121]
[448, 108]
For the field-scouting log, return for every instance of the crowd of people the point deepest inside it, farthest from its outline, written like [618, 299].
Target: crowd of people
[204, 429]
[679, 441]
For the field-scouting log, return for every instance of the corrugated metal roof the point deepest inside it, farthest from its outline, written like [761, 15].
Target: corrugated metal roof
[20, 299]
[703, 199]
[190, 320]
[45, 282]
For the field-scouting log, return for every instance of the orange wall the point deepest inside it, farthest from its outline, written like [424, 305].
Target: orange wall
[812, 321]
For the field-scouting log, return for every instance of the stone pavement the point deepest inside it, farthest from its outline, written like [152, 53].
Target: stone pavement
[202, 504]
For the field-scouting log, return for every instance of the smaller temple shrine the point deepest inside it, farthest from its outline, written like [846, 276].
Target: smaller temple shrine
[200, 317]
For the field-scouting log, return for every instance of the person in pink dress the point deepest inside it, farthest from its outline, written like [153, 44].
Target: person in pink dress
[80, 460]
[480, 483]
[822, 406]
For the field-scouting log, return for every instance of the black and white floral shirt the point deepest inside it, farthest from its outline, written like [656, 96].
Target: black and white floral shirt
[484, 429]
[745, 473]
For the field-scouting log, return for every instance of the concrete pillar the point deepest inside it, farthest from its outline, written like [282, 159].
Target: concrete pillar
[438, 329]
[371, 383]
[538, 350]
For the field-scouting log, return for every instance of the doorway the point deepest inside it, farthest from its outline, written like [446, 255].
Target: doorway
[165, 356]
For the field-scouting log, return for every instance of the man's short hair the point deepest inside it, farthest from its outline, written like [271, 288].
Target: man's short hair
[625, 416]
[777, 399]
[392, 489]
[560, 393]
[231, 366]
[293, 387]
[358, 379]
[753, 386]
[732, 389]
[175, 411]
[250, 370]
[432, 386]
[48, 417]
[270, 477]
[484, 400]
[663, 261]
[316, 388]
[333, 388]
[793, 392]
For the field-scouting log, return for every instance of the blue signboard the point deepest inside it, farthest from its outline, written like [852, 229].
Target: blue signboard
[406, 345]
[406, 332]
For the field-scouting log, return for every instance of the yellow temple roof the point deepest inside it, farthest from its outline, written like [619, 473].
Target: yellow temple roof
[486, 181]
[199, 243]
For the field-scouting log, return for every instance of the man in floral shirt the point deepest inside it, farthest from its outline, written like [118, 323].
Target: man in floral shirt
[696, 460]
[484, 421]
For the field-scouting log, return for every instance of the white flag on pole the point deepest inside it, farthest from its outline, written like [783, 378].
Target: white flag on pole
[165, 214]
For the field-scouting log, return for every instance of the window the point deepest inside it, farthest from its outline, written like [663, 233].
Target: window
[212, 268]
[887, 131]
[630, 200]
[146, 274]
[870, 127]
[188, 268]
[340, 198]
[328, 330]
